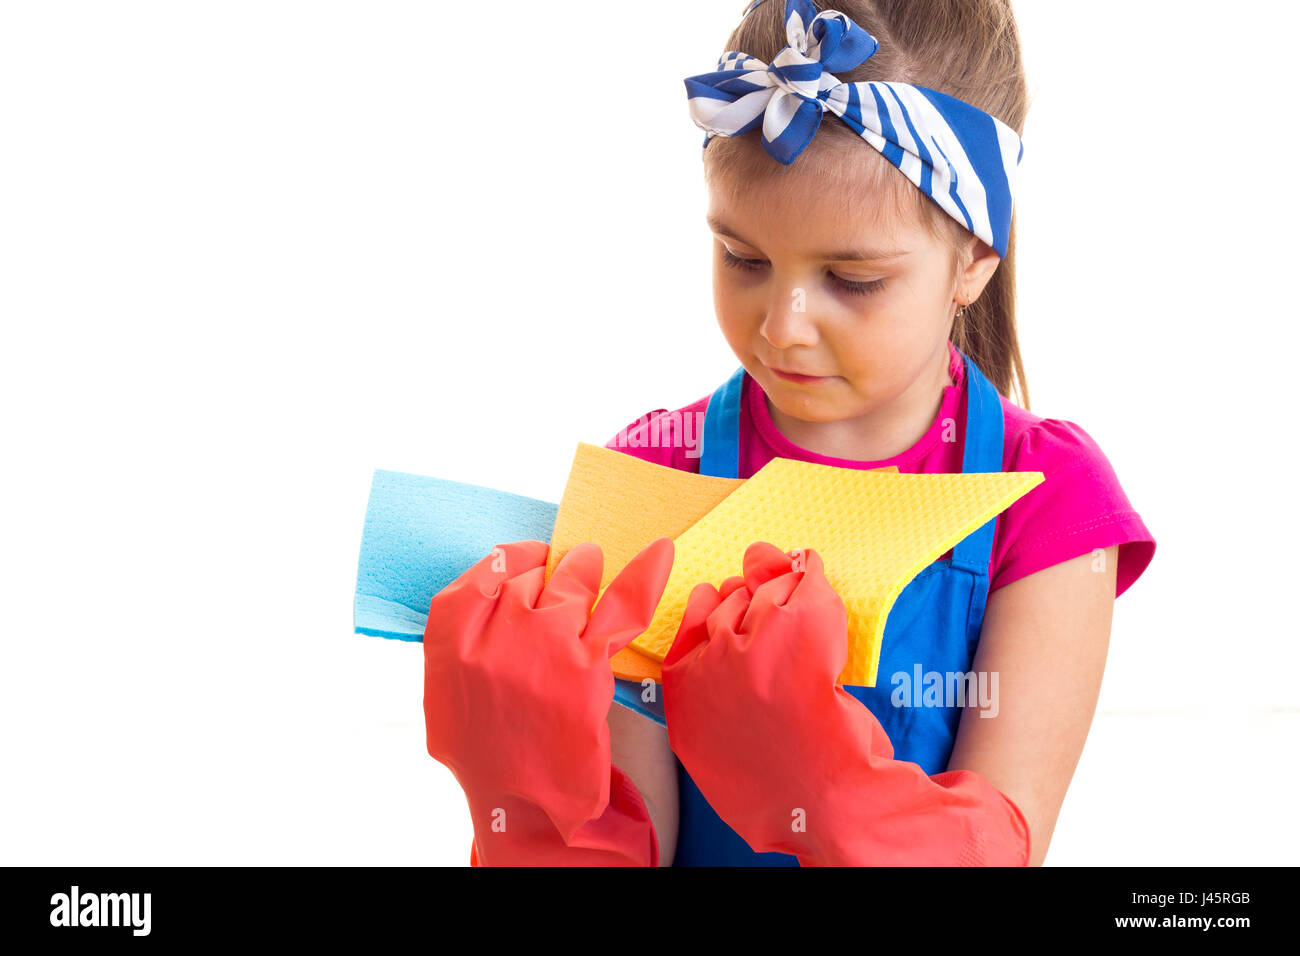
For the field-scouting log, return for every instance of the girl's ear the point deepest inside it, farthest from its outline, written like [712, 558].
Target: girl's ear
[981, 261]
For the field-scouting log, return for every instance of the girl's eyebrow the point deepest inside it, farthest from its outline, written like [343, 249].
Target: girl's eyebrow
[843, 255]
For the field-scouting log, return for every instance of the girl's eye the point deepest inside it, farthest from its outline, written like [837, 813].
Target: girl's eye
[736, 262]
[850, 286]
[859, 288]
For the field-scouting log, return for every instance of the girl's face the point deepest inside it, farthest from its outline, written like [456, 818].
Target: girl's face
[809, 281]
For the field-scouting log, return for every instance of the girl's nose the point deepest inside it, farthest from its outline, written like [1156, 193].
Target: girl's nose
[788, 322]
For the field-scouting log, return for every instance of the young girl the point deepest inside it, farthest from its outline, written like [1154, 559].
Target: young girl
[860, 162]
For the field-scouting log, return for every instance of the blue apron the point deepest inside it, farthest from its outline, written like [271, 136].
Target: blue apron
[934, 626]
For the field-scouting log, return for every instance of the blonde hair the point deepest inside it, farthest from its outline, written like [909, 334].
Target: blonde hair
[969, 49]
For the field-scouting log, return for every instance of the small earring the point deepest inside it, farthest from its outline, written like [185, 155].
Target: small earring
[959, 312]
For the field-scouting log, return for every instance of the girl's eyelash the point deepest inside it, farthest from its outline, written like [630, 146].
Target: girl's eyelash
[736, 262]
[753, 265]
[860, 288]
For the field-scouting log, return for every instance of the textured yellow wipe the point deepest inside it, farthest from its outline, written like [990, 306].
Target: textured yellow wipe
[623, 503]
[875, 531]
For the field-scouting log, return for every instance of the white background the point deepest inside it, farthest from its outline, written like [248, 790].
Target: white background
[251, 251]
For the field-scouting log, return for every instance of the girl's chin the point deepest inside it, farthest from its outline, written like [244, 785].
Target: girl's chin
[802, 407]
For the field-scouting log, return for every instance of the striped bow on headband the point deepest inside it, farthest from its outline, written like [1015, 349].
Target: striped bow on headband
[958, 155]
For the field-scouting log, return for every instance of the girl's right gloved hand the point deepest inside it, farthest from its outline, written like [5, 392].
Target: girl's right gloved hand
[517, 681]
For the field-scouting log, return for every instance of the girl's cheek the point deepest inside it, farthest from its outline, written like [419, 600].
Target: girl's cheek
[729, 324]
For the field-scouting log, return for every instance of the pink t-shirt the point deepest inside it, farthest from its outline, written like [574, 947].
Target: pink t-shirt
[1079, 506]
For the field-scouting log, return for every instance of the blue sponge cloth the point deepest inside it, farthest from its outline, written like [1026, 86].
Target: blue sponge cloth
[423, 533]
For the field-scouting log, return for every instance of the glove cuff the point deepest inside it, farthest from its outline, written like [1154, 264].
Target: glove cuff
[514, 832]
[1006, 844]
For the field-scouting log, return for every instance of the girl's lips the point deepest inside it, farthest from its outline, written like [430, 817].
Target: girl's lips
[792, 377]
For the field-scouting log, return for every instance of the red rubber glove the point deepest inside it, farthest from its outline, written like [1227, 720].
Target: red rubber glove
[517, 686]
[788, 758]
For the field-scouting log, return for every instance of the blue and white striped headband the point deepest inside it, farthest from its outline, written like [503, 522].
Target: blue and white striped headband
[958, 155]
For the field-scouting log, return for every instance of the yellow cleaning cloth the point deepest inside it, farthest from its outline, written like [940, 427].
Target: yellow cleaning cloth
[623, 503]
[874, 531]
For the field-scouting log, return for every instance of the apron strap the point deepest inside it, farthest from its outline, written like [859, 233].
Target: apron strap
[720, 456]
[981, 453]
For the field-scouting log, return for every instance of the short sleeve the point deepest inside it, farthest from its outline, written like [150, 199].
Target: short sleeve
[636, 430]
[1079, 507]
[663, 437]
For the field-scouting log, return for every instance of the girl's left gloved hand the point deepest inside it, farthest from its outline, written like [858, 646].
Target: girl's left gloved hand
[749, 686]
[787, 758]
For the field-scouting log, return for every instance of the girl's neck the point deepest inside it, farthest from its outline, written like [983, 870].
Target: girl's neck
[882, 433]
